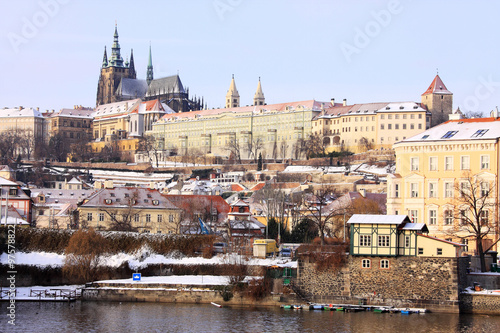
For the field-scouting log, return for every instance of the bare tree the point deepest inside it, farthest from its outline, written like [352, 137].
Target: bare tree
[8, 143]
[283, 149]
[26, 142]
[315, 210]
[364, 144]
[149, 145]
[298, 148]
[124, 218]
[314, 146]
[234, 148]
[476, 205]
[254, 145]
[81, 150]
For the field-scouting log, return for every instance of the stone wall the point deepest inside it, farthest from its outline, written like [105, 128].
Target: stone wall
[431, 283]
[490, 281]
[480, 303]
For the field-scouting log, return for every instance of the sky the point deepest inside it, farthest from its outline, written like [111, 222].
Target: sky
[364, 51]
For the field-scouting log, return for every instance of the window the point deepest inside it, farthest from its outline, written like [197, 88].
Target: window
[381, 126]
[432, 190]
[414, 215]
[463, 217]
[148, 217]
[449, 134]
[465, 162]
[136, 217]
[433, 163]
[384, 264]
[485, 189]
[483, 218]
[383, 240]
[466, 243]
[448, 190]
[366, 263]
[432, 217]
[414, 163]
[448, 217]
[389, 126]
[479, 133]
[396, 190]
[448, 163]
[407, 241]
[485, 161]
[420, 250]
[89, 216]
[101, 217]
[404, 126]
[414, 190]
[170, 218]
[365, 240]
[159, 218]
[439, 252]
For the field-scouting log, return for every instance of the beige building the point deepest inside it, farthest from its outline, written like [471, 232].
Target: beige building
[73, 124]
[359, 127]
[119, 208]
[274, 130]
[435, 168]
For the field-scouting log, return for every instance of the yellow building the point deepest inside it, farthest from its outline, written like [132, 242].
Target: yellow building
[143, 209]
[360, 127]
[274, 130]
[439, 169]
[120, 125]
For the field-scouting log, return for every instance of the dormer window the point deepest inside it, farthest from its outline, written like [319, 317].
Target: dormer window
[112, 194]
[449, 134]
[108, 201]
[479, 133]
[13, 191]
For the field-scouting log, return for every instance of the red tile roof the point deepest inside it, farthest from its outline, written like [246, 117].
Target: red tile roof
[437, 87]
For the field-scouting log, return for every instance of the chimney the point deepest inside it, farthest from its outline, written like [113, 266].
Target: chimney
[108, 183]
[344, 102]
[362, 192]
[494, 113]
[333, 101]
[152, 185]
[21, 107]
[37, 108]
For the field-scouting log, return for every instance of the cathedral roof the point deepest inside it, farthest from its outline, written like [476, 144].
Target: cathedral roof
[132, 88]
[165, 85]
[437, 87]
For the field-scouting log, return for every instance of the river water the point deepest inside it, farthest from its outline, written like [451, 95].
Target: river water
[162, 317]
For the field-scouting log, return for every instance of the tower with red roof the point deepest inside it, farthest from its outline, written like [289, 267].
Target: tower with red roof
[438, 100]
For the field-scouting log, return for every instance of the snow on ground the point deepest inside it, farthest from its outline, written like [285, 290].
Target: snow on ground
[142, 259]
[26, 294]
[42, 259]
[200, 280]
[363, 168]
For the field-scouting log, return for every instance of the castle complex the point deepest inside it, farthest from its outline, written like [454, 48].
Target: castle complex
[118, 82]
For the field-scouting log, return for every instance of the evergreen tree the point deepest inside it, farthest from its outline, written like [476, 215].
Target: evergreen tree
[259, 163]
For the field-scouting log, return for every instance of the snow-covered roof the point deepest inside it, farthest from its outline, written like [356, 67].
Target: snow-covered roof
[416, 226]
[460, 129]
[401, 107]
[18, 112]
[378, 219]
[114, 109]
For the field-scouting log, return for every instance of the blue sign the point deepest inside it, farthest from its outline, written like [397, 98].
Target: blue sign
[136, 277]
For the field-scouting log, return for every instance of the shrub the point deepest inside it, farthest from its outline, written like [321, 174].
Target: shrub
[83, 255]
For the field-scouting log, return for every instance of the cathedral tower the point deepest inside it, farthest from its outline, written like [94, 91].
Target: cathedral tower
[149, 72]
[112, 71]
[232, 96]
[258, 98]
[438, 100]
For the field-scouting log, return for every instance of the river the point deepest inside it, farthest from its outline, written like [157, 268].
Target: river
[161, 317]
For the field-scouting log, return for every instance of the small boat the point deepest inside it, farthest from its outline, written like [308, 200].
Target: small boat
[287, 306]
[297, 307]
[406, 311]
[339, 308]
[380, 310]
[316, 307]
[215, 304]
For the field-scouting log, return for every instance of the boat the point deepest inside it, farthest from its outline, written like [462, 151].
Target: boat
[339, 308]
[215, 304]
[297, 307]
[380, 310]
[406, 311]
[316, 307]
[287, 306]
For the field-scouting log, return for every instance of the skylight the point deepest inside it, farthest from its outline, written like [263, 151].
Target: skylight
[425, 137]
[479, 133]
[449, 134]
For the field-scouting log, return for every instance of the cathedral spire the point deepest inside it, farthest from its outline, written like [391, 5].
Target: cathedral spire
[131, 66]
[105, 58]
[149, 74]
[258, 98]
[116, 58]
[232, 96]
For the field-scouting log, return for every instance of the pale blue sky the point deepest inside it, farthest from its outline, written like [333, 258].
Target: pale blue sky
[365, 51]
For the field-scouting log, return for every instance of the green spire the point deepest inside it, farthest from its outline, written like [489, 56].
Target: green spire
[149, 75]
[105, 58]
[116, 58]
